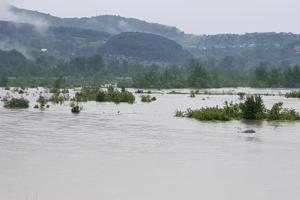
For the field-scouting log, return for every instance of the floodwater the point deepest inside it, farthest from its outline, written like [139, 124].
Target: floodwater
[143, 152]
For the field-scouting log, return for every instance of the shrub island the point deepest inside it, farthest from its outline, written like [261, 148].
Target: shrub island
[16, 103]
[293, 94]
[252, 108]
[147, 98]
[111, 95]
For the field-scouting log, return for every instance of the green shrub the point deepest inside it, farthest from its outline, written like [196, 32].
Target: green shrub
[179, 113]
[232, 110]
[112, 95]
[229, 112]
[278, 113]
[147, 98]
[58, 98]
[118, 97]
[100, 96]
[17, 103]
[293, 94]
[87, 94]
[209, 114]
[193, 94]
[42, 101]
[253, 108]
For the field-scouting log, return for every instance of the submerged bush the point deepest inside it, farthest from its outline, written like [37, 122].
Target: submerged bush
[241, 95]
[101, 96]
[42, 102]
[208, 114]
[75, 108]
[278, 113]
[179, 113]
[227, 113]
[58, 98]
[87, 94]
[147, 98]
[192, 94]
[139, 91]
[116, 96]
[252, 109]
[17, 103]
[111, 95]
[293, 94]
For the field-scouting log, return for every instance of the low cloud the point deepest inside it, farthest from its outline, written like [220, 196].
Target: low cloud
[7, 14]
[9, 46]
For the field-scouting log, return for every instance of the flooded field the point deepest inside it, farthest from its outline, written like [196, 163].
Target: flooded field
[142, 152]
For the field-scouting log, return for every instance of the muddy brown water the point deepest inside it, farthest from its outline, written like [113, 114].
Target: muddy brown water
[143, 152]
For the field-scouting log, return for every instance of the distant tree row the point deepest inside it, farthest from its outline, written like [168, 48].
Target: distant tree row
[195, 74]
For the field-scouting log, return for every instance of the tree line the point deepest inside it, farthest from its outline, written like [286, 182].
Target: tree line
[195, 74]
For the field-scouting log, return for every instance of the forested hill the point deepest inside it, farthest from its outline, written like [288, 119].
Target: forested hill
[146, 46]
[106, 23]
[59, 41]
[87, 36]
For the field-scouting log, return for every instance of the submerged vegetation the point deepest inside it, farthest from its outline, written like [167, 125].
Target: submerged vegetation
[16, 103]
[114, 95]
[192, 94]
[252, 108]
[99, 95]
[229, 112]
[75, 108]
[42, 103]
[147, 98]
[58, 96]
[293, 94]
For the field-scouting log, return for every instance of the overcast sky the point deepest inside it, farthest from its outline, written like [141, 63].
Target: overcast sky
[191, 16]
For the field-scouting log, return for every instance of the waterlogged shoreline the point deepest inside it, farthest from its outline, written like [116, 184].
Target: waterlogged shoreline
[34, 93]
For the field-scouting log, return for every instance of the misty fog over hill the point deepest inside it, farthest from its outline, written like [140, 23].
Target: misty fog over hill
[30, 31]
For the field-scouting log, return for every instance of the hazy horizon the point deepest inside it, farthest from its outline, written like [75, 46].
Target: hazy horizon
[190, 16]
